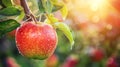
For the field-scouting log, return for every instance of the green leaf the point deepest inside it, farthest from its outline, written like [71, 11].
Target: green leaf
[64, 11]
[10, 11]
[57, 6]
[48, 6]
[51, 18]
[41, 7]
[7, 2]
[54, 1]
[65, 29]
[7, 26]
[45, 6]
[22, 14]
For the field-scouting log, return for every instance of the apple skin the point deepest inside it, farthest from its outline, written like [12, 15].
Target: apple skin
[97, 55]
[52, 61]
[111, 62]
[11, 62]
[36, 41]
[71, 61]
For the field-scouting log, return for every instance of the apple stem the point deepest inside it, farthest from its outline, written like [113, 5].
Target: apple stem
[27, 11]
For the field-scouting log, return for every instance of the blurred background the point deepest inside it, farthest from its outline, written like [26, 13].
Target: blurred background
[95, 25]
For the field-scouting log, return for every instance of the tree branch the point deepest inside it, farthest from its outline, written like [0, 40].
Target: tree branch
[27, 10]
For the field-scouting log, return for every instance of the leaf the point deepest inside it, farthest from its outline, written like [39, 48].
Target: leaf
[65, 29]
[7, 26]
[48, 6]
[10, 11]
[57, 6]
[41, 7]
[45, 6]
[7, 2]
[54, 1]
[4, 18]
[22, 14]
[51, 18]
[64, 11]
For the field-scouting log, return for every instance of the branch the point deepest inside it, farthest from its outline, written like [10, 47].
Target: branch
[27, 10]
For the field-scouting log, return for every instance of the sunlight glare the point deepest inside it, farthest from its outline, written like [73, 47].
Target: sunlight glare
[96, 4]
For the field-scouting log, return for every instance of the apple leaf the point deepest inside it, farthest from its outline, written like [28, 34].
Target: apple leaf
[51, 18]
[22, 14]
[65, 29]
[48, 6]
[7, 2]
[57, 6]
[64, 11]
[45, 6]
[7, 26]
[41, 7]
[9, 11]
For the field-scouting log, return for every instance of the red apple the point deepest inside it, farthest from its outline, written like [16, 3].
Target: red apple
[71, 61]
[36, 41]
[111, 62]
[11, 62]
[97, 55]
[52, 61]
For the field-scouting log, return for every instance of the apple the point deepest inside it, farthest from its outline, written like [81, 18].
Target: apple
[11, 62]
[97, 55]
[111, 62]
[36, 40]
[71, 61]
[52, 61]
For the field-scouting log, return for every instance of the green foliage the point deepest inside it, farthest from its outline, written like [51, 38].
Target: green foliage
[49, 6]
[64, 11]
[45, 6]
[10, 11]
[7, 2]
[57, 5]
[41, 7]
[66, 30]
[51, 18]
[21, 15]
[9, 16]
[7, 26]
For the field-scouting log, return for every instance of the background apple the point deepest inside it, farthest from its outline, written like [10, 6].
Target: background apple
[11, 62]
[71, 61]
[52, 61]
[97, 55]
[111, 62]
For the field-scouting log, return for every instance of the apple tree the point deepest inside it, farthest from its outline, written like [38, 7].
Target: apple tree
[35, 31]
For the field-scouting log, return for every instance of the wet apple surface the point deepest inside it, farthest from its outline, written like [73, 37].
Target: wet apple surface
[36, 41]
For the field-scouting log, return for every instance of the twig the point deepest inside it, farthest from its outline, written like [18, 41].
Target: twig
[27, 10]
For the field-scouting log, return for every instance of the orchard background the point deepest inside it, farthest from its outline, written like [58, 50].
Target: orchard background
[88, 32]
